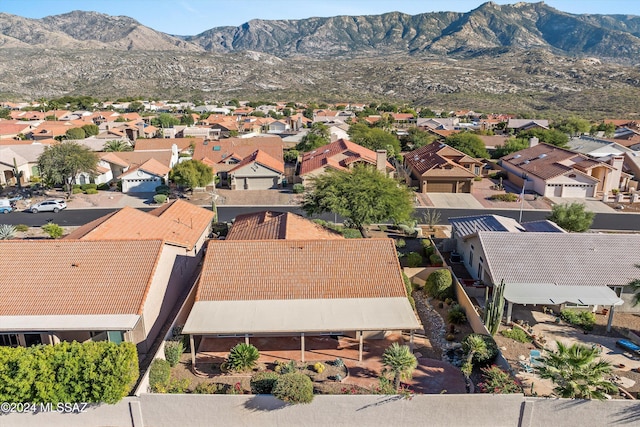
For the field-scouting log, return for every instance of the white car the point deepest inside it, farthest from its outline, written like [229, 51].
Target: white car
[48, 206]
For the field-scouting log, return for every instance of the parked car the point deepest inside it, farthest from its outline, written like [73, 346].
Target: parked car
[5, 206]
[48, 206]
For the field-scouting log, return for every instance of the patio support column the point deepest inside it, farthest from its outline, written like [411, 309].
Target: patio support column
[193, 351]
[411, 341]
[360, 348]
[610, 321]
[246, 339]
[509, 309]
[302, 346]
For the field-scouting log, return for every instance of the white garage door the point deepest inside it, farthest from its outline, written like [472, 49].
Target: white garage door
[261, 183]
[575, 190]
[141, 185]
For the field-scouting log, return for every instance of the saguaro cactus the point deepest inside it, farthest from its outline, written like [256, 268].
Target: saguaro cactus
[494, 309]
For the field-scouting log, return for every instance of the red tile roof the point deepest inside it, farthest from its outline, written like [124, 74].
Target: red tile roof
[154, 144]
[438, 159]
[151, 166]
[178, 223]
[217, 151]
[339, 153]
[263, 159]
[300, 269]
[268, 225]
[67, 277]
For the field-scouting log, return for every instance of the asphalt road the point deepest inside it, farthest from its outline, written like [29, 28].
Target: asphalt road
[76, 217]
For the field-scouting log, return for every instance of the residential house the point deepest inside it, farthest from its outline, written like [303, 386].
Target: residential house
[445, 123]
[84, 290]
[143, 171]
[583, 270]
[26, 159]
[341, 155]
[10, 129]
[145, 178]
[439, 168]
[314, 286]
[244, 163]
[557, 172]
[332, 116]
[521, 125]
[270, 225]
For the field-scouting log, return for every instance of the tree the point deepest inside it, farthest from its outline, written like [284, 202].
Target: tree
[91, 129]
[317, 136]
[577, 371]
[399, 361]
[550, 136]
[438, 284]
[135, 107]
[191, 174]
[60, 163]
[418, 138]
[572, 217]
[474, 346]
[374, 139]
[635, 285]
[117, 145]
[5, 113]
[187, 119]
[362, 195]
[609, 129]
[511, 145]
[75, 133]
[165, 120]
[574, 126]
[468, 143]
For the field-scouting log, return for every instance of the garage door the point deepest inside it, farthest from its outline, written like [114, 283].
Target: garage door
[441, 187]
[261, 183]
[142, 185]
[574, 191]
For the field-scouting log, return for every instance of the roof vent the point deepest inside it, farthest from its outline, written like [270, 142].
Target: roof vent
[542, 156]
[517, 156]
[327, 150]
[526, 162]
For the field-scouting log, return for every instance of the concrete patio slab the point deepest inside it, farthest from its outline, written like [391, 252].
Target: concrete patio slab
[454, 200]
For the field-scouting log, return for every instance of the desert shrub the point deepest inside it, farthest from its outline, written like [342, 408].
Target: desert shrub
[319, 367]
[414, 259]
[163, 189]
[173, 351]
[338, 363]
[408, 230]
[382, 227]
[159, 198]
[91, 191]
[76, 186]
[176, 386]
[298, 188]
[242, 357]
[210, 388]
[53, 230]
[516, 334]
[584, 319]
[498, 175]
[294, 388]
[456, 315]
[76, 190]
[291, 156]
[285, 367]
[159, 374]
[22, 228]
[409, 287]
[86, 187]
[497, 381]
[505, 197]
[401, 243]
[477, 178]
[104, 186]
[351, 233]
[263, 382]
[482, 358]
[439, 284]
[435, 259]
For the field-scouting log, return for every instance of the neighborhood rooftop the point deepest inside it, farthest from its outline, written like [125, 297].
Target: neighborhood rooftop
[268, 225]
[468, 225]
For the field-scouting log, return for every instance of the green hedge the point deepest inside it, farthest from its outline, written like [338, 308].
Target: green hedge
[263, 382]
[505, 197]
[68, 372]
[582, 318]
[294, 387]
[439, 284]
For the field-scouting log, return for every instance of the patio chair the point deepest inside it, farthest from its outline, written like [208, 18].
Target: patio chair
[526, 367]
[534, 358]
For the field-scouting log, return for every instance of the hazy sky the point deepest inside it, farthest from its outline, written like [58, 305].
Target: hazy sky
[190, 17]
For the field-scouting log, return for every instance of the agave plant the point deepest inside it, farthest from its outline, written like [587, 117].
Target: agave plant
[7, 231]
[242, 357]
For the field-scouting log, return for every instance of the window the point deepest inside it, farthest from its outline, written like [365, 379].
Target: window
[471, 256]
[9, 340]
[115, 336]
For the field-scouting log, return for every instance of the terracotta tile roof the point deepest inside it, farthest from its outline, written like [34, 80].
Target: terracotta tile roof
[548, 161]
[338, 154]
[438, 159]
[178, 223]
[112, 158]
[263, 159]
[268, 225]
[217, 151]
[76, 277]
[137, 158]
[300, 269]
[14, 128]
[151, 166]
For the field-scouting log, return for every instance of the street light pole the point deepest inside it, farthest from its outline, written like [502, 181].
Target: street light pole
[525, 177]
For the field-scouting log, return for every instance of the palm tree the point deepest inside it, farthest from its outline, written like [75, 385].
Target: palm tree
[399, 360]
[472, 345]
[117, 145]
[577, 372]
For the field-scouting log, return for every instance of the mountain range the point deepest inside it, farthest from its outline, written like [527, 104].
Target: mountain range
[536, 50]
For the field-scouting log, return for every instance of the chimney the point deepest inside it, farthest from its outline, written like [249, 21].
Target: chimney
[381, 160]
[533, 141]
[616, 162]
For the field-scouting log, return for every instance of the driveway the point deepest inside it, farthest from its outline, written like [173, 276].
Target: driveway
[590, 204]
[454, 200]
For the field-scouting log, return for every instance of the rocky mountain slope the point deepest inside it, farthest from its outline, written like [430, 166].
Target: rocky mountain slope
[520, 58]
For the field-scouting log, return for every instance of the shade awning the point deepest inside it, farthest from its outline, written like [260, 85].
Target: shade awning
[96, 322]
[552, 294]
[310, 315]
